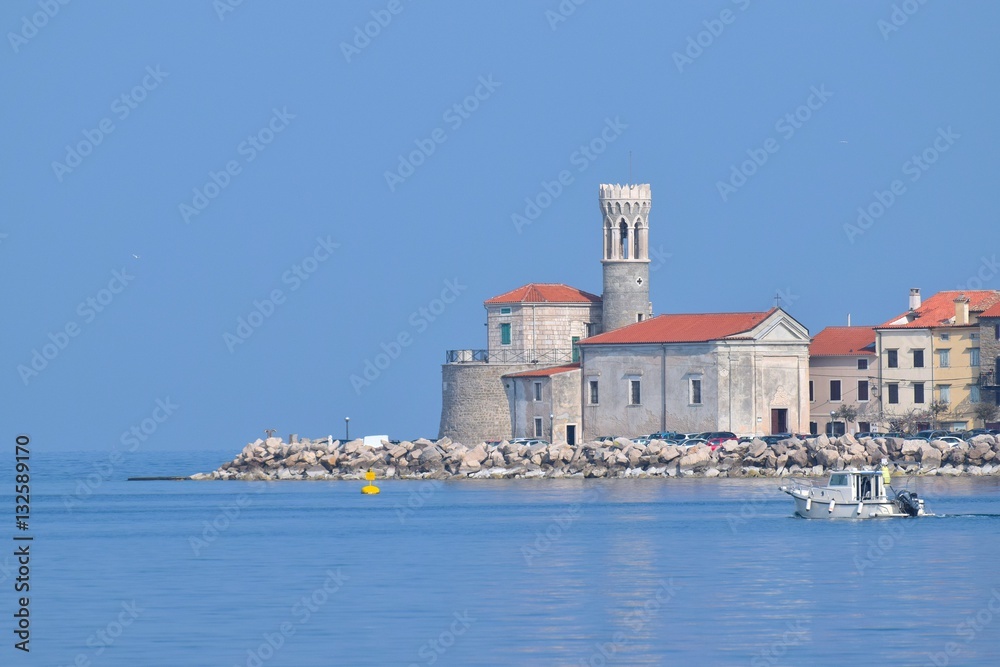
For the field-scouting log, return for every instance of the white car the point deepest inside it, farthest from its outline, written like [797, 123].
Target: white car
[951, 440]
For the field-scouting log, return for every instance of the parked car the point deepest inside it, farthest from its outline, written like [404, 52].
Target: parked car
[529, 441]
[691, 442]
[641, 440]
[775, 438]
[930, 434]
[715, 439]
[972, 433]
[606, 438]
[666, 435]
[951, 440]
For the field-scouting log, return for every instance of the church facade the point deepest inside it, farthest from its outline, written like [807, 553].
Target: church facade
[568, 366]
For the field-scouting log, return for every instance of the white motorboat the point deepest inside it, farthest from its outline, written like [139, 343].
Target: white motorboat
[855, 494]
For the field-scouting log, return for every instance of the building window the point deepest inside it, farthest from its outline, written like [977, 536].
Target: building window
[575, 348]
[974, 396]
[505, 333]
[996, 331]
[812, 394]
[945, 336]
[813, 428]
[974, 356]
[834, 390]
[538, 427]
[944, 393]
[505, 311]
[862, 364]
[591, 329]
[593, 392]
[862, 390]
[918, 358]
[892, 358]
[944, 358]
[865, 427]
[918, 392]
[893, 392]
[694, 391]
[634, 392]
[638, 317]
[973, 336]
[538, 391]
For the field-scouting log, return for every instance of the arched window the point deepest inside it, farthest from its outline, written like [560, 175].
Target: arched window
[608, 241]
[637, 251]
[623, 228]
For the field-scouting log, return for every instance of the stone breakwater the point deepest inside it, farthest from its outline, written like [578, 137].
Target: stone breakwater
[273, 459]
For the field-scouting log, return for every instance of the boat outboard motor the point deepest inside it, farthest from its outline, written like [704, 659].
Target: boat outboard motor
[908, 502]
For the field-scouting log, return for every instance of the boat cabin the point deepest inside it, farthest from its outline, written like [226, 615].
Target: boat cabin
[858, 485]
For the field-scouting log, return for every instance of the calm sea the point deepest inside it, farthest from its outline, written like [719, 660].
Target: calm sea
[534, 572]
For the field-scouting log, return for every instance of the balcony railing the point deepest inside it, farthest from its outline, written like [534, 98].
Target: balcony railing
[988, 378]
[510, 356]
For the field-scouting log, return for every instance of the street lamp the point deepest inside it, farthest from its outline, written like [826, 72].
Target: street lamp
[833, 416]
[347, 429]
[552, 427]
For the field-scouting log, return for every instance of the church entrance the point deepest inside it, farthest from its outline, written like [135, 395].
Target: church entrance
[779, 420]
[570, 434]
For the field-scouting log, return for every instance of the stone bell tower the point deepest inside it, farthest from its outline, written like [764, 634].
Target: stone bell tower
[625, 211]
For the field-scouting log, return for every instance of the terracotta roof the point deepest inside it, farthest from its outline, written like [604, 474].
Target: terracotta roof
[686, 328]
[545, 293]
[939, 310]
[993, 311]
[843, 341]
[544, 372]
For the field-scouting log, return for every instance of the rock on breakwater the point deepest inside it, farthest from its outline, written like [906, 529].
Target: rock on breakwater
[273, 459]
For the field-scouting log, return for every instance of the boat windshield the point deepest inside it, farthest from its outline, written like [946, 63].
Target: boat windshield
[838, 480]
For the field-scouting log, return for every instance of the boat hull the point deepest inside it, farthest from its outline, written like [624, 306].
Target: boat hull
[812, 508]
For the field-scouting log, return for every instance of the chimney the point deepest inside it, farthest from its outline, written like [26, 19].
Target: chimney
[914, 298]
[961, 310]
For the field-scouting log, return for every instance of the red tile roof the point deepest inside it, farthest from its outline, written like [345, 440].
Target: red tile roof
[545, 293]
[682, 328]
[993, 311]
[939, 310]
[544, 372]
[843, 341]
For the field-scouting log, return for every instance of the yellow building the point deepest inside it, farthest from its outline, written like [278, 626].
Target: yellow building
[931, 354]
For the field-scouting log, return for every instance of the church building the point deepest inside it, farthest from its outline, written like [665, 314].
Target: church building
[568, 366]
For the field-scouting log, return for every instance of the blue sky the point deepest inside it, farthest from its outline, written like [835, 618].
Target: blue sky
[170, 167]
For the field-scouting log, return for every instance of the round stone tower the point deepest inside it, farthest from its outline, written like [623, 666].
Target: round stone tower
[625, 210]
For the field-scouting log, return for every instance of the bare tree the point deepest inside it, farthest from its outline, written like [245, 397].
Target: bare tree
[986, 412]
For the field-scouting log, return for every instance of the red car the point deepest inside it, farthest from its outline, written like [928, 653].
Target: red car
[717, 438]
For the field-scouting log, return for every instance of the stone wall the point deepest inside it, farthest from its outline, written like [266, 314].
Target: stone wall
[473, 402]
[989, 352]
[624, 295]
[541, 326]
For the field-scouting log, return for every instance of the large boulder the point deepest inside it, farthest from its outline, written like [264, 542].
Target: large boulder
[930, 456]
[828, 458]
[696, 458]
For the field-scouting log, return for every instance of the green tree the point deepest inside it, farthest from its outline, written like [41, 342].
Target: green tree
[986, 412]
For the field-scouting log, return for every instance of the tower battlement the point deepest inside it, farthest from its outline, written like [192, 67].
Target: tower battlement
[627, 191]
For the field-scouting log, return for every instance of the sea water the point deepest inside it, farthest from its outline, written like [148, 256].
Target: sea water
[505, 572]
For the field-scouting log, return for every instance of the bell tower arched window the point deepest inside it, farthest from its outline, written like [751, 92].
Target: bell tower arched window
[623, 227]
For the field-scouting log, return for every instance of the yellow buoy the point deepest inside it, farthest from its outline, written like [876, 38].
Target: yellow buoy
[370, 488]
